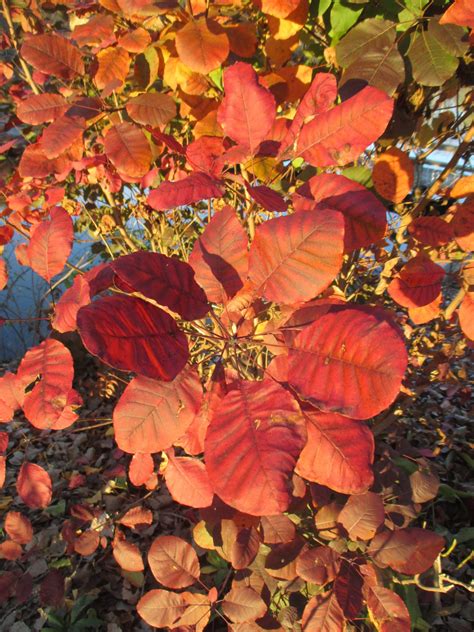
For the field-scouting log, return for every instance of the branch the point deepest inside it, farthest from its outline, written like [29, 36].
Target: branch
[11, 29]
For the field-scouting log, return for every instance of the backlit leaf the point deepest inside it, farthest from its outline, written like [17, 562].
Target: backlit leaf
[418, 283]
[61, 134]
[173, 562]
[387, 610]
[150, 415]
[166, 280]
[431, 63]
[113, 67]
[347, 368]
[65, 311]
[50, 244]
[294, 258]
[393, 175]
[460, 12]
[251, 446]
[53, 55]
[202, 46]
[34, 486]
[323, 614]
[41, 108]
[130, 334]
[338, 454]
[152, 108]
[248, 110]
[219, 257]
[193, 188]
[432, 231]
[340, 135]
[188, 482]
[128, 149]
[365, 219]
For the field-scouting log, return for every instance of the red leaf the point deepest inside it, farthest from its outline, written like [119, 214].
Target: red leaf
[248, 110]
[53, 55]
[150, 416]
[251, 447]
[387, 609]
[34, 164]
[6, 233]
[365, 220]
[3, 441]
[418, 284]
[193, 188]
[341, 134]
[86, 544]
[204, 153]
[50, 244]
[466, 318]
[75, 297]
[243, 604]
[11, 396]
[41, 108]
[137, 516]
[161, 608]
[410, 551]
[354, 363]
[220, 257]
[432, 231]
[46, 404]
[188, 482]
[18, 527]
[61, 135]
[318, 566]
[52, 589]
[277, 529]
[267, 198]
[463, 225]
[130, 334]
[173, 562]
[152, 108]
[202, 45]
[113, 64]
[245, 548]
[10, 550]
[166, 280]
[460, 12]
[3, 274]
[126, 554]
[135, 41]
[319, 98]
[141, 468]
[34, 486]
[338, 454]
[128, 149]
[294, 258]
[348, 589]
[362, 515]
[323, 614]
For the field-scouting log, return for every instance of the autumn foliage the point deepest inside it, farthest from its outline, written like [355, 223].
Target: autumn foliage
[264, 273]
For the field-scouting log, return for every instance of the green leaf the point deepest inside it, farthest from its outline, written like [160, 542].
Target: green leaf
[466, 534]
[452, 38]
[369, 52]
[342, 17]
[431, 64]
